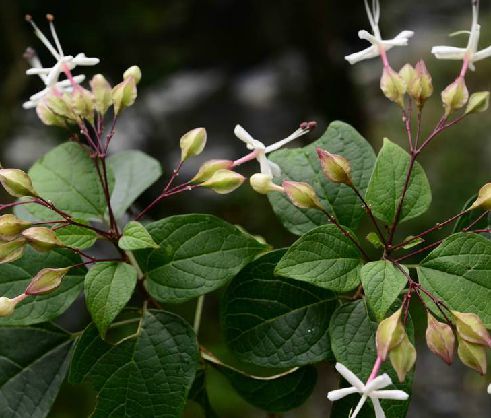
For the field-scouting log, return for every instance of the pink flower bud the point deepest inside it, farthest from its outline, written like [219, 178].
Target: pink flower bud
[46, 280]
[335, 167]
[302, 195]
[440, 339]
[41, 238]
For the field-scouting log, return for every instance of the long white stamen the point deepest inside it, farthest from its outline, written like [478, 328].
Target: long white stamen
[53, 33]
[277, 145]
[43, 38]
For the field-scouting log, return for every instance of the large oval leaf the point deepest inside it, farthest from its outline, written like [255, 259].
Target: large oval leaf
[197, 254]
[108, 287]
[276, 322]
[353, 344]
[382, 283]
[15, 277]
[33, 364]
[302, 164]
[387, 183]
[66, 175]
[325, 258]
[146, 376]
[134, 172]
[280, 394]
[459, 272]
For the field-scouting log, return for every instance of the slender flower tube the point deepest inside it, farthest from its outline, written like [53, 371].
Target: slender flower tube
[379, 46]
[470, 54]
[372, 390]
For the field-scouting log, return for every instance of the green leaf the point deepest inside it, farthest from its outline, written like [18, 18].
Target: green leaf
[33, 365]
[412, 242]
[197, 254]
[353, 343]
[66, 175]
[302, 164]
[146, 376]
[458, 272]
[136, 237]
[325, 258]
[76, 236]
[382, 283]
[15, 277]
[134, 172]
[108, 288]
[387, 183]
[471, 217]
[276, 322]
[199, 395]
[280, 394]
[374, 239]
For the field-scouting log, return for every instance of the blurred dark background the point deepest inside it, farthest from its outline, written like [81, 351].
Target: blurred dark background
[267, 65]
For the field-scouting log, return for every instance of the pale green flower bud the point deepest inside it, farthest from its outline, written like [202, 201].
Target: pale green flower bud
[11, 250]
[209, 168]
[83, 104]
[46, 280]
[7, 306]
[408, 74]
[390, 333]
[335, 167]
[224, 181]
[263, 184]
[48, 117]
[124, 94]
[472, 355]
[11, 226]
[16, 182]
[455, 96]
[403, 358]
[393, 86]
[102, 92]
[135, 72]
[470, 328]
[192, 143]
[440, 339]
[420, 88]
[302, 195]
[478, 102]
[41, 238]
[483, 200]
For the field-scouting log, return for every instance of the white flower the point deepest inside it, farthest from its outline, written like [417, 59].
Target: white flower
[470, 54]
[259, 150]
[379, 46]
[370, 390]
[489, 389]
[64, 64]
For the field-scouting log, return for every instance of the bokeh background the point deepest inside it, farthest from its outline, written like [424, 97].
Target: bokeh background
[267, 65]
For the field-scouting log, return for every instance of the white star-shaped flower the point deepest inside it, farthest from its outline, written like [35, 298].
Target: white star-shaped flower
[63, 86]
[379, 46]
[64, 64]
[259, 150]
[470, 54]
[369, 390]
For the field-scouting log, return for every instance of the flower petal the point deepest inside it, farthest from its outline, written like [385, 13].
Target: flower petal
[363, 34]
[378, 383]
[337, 394]
[396, 395]
[368, 53]
[482, 54]
[244, 136]
[379, 412]
[81, 59]
[350, 377]
[448, 52]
